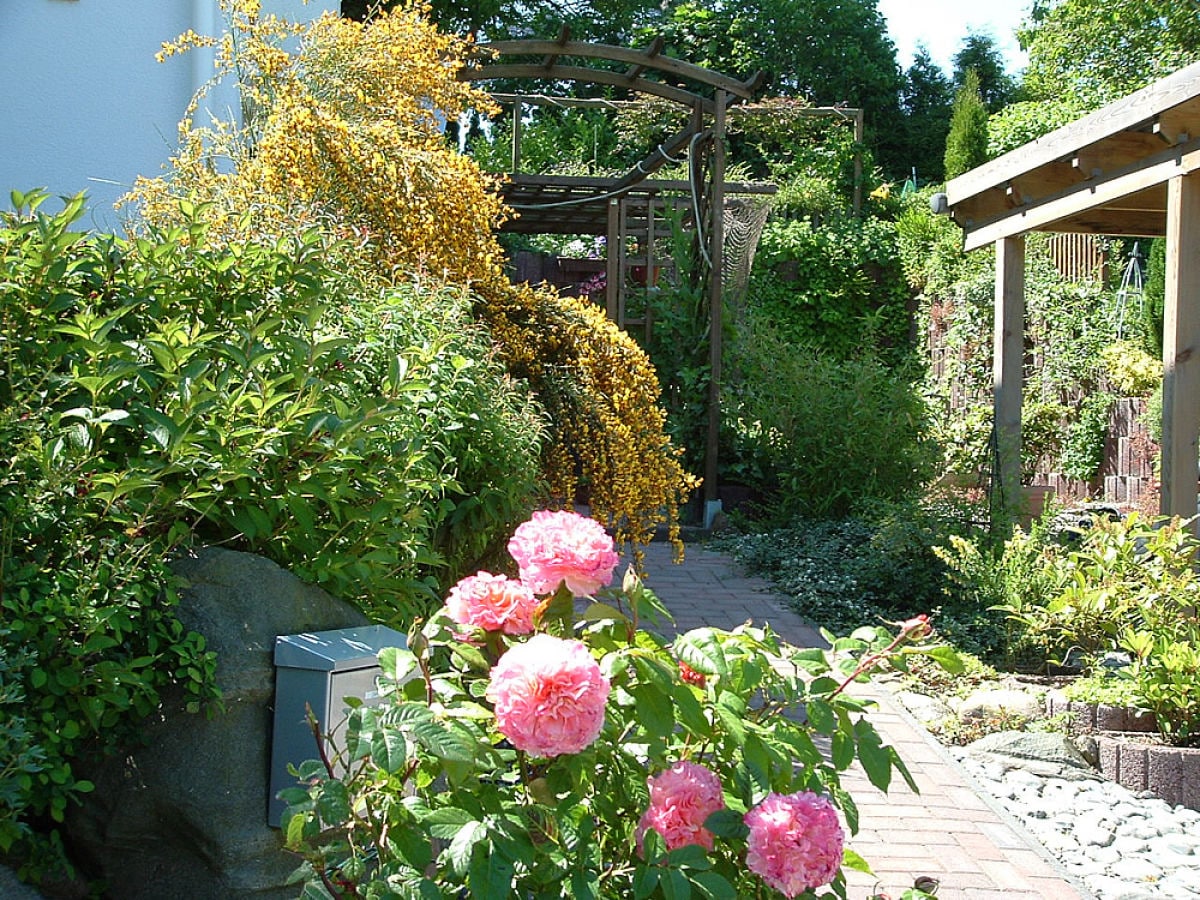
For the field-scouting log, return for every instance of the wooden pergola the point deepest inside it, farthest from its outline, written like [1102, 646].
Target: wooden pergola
[560, 204]
[1129, 169]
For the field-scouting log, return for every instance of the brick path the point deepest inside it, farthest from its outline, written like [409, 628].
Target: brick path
[948, 831]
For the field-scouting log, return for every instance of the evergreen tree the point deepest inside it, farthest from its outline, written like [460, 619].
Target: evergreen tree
[1154, 297]
[966, 147]
[980, 54]
[926, 100]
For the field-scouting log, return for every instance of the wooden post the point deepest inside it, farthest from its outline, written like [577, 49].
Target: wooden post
[1181, 349]
[859, 135]
[1008, 358]
[614, 269]
[516, 140]
[716, 242]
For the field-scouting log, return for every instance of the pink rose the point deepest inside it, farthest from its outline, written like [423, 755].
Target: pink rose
[493, 603]
[795, 842]
[549, 696]
[681, 799]
[553, 547]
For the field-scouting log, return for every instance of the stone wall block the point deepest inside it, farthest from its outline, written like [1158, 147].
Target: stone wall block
[1164, 773]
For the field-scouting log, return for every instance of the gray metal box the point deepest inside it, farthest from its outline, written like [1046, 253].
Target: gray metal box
[320, 669]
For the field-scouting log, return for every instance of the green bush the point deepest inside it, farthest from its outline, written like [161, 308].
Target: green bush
[839, 286]
[827, 434]
[159, 393]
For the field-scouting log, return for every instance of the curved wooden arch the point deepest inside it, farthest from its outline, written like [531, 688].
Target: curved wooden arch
[639, 61]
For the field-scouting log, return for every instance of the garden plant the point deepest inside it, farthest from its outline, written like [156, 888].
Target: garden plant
[542, 736]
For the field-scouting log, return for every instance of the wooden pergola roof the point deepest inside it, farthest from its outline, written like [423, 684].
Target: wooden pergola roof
[1106, 173]
[1131, 168]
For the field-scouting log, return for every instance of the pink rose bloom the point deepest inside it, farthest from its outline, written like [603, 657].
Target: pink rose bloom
[553, 547]
[681, 798]
[549, 696]
[795, 842]
[493, 603]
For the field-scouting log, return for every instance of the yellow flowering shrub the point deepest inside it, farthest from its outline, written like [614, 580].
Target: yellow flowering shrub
[346, 129]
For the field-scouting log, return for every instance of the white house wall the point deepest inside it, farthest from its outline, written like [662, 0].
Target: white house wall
[84, 106]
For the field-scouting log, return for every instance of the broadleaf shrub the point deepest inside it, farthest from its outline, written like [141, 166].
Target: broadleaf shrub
[828, 433]
[162, 392]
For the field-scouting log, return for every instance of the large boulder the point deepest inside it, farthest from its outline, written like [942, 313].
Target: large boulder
[186, 814]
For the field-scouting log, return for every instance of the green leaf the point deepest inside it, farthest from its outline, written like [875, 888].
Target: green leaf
[645, 880]
[655, 713]
[439, 738]
[689, 712]
[841, 751]
[821, 716]
[713, 885]
[701, 649]
[675, 885]
[945, 656]
[458, 854]
[333, 802]
[875, 758]
[851, 860]
[728, 823]
[389, 750]
[490, 875]
[446, 822]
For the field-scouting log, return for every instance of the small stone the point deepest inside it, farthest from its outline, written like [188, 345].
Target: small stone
[1002, 701]
[1094, 835]
[1135, 869]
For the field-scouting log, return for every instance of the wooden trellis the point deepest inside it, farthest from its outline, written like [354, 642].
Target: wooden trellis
[626, 206]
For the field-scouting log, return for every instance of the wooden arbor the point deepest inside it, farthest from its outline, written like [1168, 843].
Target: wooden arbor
[625, 207]
[1131, 168]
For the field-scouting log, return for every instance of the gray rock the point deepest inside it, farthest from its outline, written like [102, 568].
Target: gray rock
[1000, 701]
[185, 815]
[925, 709]
[1043, 754]
[11, 887]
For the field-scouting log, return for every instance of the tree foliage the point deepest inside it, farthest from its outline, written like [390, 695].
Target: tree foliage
[1094, 51]
[927, 101]
[967, 145]
[980, 53]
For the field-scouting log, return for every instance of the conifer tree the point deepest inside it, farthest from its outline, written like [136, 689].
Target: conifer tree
[966, 147]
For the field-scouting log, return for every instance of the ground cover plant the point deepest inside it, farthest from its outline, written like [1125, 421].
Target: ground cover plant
[532, 748]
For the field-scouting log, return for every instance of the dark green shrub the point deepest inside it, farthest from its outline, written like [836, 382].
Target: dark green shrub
[827, 434]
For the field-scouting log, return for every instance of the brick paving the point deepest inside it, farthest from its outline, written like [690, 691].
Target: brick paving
[948, 831]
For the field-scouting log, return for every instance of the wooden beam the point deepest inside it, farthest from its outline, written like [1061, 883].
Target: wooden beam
[1115, 152]
[1008, 361]
[652, 51]
[1181, 349]
[1101, 192]
[588, 76]
[1178, 124]
[564, 35]
[587, 50]
[1136, 223]
[1136, 110]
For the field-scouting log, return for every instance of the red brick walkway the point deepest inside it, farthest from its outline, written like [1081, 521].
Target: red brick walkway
[948, 831]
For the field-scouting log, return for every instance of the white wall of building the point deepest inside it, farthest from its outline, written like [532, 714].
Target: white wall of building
[84, 106]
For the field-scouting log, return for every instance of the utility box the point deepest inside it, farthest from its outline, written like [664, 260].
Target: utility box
[319, 670]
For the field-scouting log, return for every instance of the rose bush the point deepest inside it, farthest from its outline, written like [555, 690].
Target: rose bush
[592, 756]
